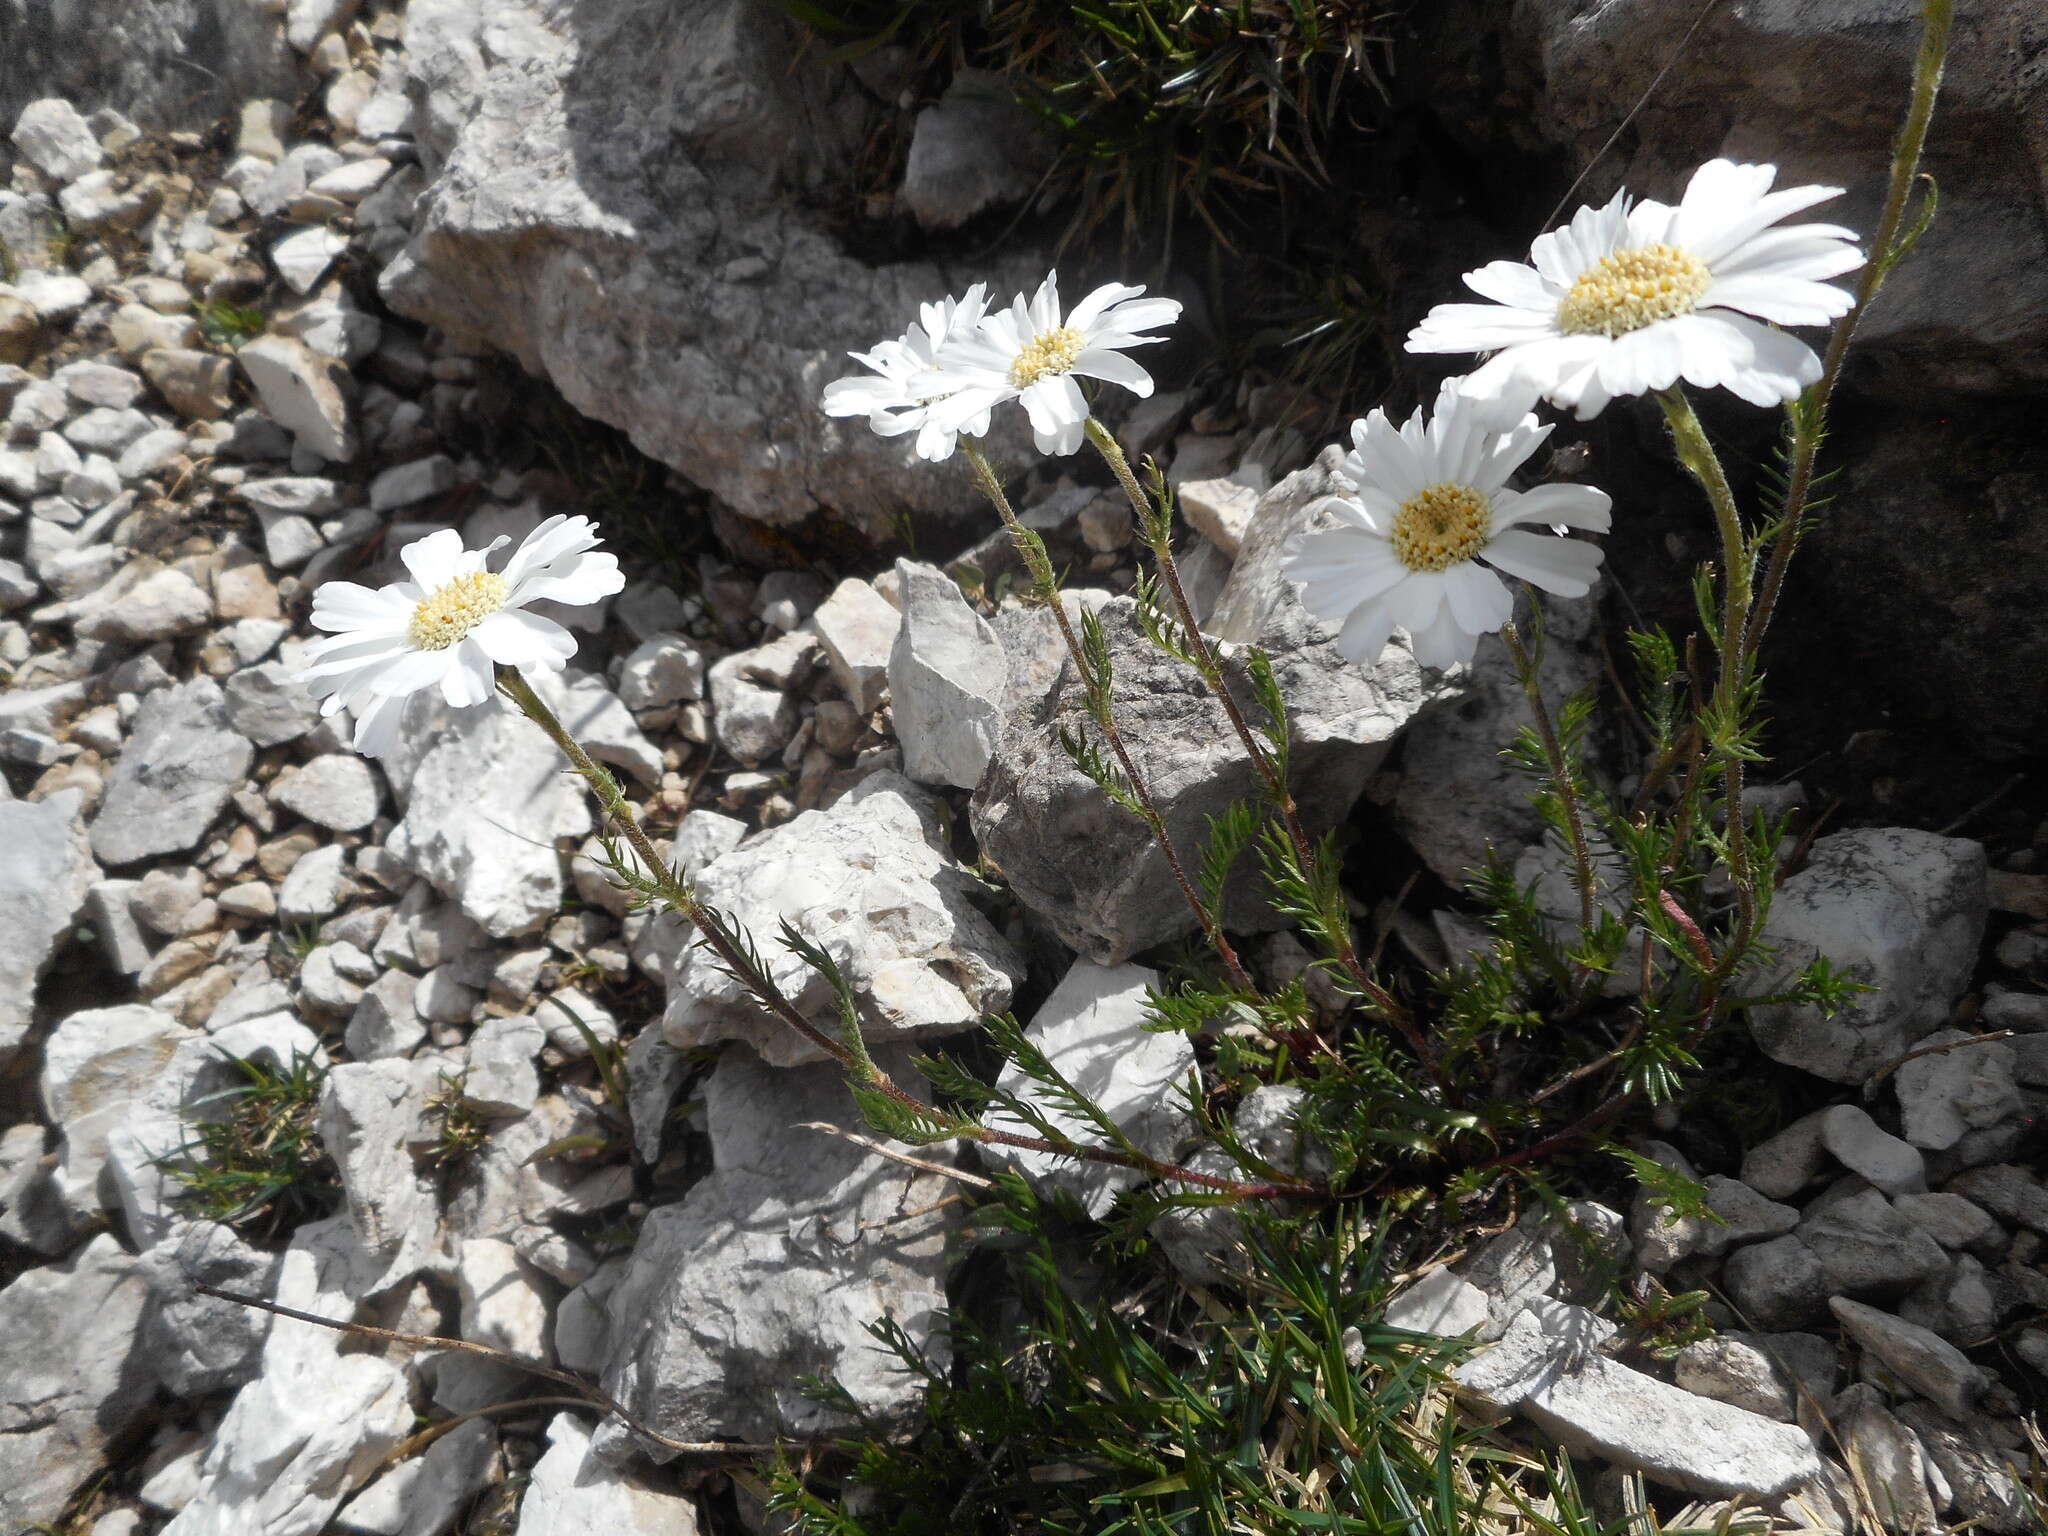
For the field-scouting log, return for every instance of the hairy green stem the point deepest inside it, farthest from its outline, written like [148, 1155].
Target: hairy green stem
[676, 891]
[1048, 593]
[1158, 534]
[1938, 16]
[1560, 774]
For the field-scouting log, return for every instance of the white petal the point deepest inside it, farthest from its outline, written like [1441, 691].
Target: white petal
[557, 538]
[1480, 328]
[470, 676]
[1442, 643]
[1479, 600]
[1563, 566]
[377, 725]
[1365, 634]
[341, 605]
[1415, 601]
[1114, 368]
[1514, 283]
[1724, 238]
[1136, 315]
[1058, 413]
[1575, 506]
[578, 580]
[1391, 461]
[1641, 361]
[1767, 366]
[1812, 251]
[513, 638]
[1782, 300]
[435, 560]
[1090, 309]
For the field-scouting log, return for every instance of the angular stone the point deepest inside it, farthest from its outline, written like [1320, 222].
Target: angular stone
[1091, 870]
[1092, 1031]
[315, 1423]
[948, 679]
[302, 259]
[70, 1384]
[1867, 1248]
[1888, 1460]
[196, 1344]
[871, 882]
[1439, 1303]
[502, 1078]
[97, 1065]
[663, 669]
[806, 1239]
[161, 605]
[1861, 1146]
[316, 886]
[1787, 1162]
[182, 761]
[385, 1022]
[197, 385]
[482, 812]
[699, 359]
[44, 881]
[1777, 1284]
[857, 628]
[2010, 1193]
[1946, 1094]
[55, 138]
[302, 392]
[753, 722]
[370, 1114]
[336, 790]
[1900, 910]
[570, 1494]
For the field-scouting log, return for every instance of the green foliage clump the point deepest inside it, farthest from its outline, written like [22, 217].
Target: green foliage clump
[259, 1162]
[228, 324]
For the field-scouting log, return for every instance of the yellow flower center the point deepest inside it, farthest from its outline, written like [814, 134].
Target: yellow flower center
[1442, 526]
[1047, 352]
[448, 614]
[1630, 289]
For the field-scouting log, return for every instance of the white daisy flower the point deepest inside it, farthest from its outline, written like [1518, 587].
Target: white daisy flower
[1429, 501]
[891, 396]
[1629, 299]
[452, 625]
[1031, 353]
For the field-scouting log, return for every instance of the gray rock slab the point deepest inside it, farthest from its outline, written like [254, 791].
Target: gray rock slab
[198, 1344]
[590, 268]
[1859, 1144]
[316, 1423]
[1092, 1030]
[71, 1382]
[482, 813]
[870, 880]
[857, 627]
[182, 761]
[770, 1269]
[572, 1494]
[1944, 1095]
[45, 878]
[1900, 910]
[947, 676]
[337, 790]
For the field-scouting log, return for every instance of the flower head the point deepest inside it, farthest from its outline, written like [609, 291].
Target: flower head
[1429, 502]
[1629, 299]
[898, 392]
[1034, 353]
[452, 625]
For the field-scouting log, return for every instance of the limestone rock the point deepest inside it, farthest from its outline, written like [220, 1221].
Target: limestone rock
[70, 1383]
[199, 1344]
[315, 1423]
[55, 138]
[44, 881]
[570, 1495]
[869, 880]
[857, 627]
[1946, 1094]
[182, 761]
[803, 1239]
[370, 1115]
[1090, 869]
[482, 812]
[337, 790]
[608, 239]
[96, 1066]
[977, 147]
[302, 392]
[1863, 1147]
[947, 680]
[1092, 1030]
[1898, 909]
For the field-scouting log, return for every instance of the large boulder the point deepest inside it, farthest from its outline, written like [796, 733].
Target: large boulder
[633, 197]
[1086, 865]
[163, 63]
